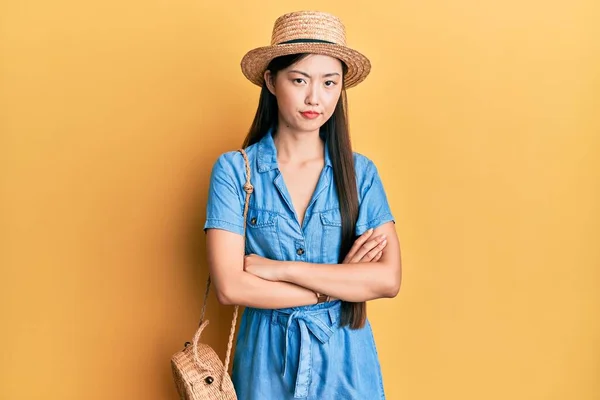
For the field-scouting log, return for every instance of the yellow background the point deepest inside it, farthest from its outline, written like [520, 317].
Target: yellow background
[481, 116]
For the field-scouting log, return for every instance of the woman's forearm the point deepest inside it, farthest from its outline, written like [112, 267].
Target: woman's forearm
[233, 285]
[350, 282]
[247, 290]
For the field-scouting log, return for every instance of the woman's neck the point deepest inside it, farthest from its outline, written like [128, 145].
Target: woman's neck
[298, 147]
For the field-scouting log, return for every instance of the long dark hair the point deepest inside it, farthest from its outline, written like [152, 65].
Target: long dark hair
[335, 132]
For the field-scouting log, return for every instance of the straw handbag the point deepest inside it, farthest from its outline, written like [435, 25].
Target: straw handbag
[198, 372]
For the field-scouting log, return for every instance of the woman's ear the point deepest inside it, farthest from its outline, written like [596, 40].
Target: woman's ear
[269, 78]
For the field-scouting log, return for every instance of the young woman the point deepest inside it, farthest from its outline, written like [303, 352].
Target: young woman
[320, 238]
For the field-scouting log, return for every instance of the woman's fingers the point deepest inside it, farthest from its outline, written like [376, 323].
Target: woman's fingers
[377, 257]
[375, 254]
[366, 248]
[358, 243]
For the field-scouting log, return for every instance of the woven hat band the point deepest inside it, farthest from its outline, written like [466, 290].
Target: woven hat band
[306, 41]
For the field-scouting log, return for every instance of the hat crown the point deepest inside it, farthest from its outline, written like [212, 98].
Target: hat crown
[308, 25]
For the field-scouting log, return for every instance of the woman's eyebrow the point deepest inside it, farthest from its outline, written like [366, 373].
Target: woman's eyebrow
[308, 76]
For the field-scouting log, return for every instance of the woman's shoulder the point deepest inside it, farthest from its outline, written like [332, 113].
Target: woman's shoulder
[232, 162]
[363, 165]
[366, 173]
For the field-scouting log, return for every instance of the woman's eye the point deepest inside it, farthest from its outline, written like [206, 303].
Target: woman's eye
[330, 83]
[299, 80]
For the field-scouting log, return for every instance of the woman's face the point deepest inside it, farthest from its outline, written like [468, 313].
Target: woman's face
[307, 91]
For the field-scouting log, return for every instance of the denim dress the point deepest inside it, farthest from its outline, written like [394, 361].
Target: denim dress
[298, 352]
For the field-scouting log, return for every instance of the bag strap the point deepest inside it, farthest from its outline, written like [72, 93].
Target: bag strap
[249, 189]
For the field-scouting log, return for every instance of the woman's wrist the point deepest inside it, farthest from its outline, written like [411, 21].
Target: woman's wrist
[322, 298]
[291, 269]
[286, 271]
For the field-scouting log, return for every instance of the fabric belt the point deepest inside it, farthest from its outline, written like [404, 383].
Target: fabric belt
[310, 327]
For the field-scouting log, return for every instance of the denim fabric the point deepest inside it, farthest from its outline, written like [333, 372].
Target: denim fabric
[299, 352]
[302, 353]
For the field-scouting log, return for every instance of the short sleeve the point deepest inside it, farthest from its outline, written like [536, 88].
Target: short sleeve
[224, 209]
[374, 209]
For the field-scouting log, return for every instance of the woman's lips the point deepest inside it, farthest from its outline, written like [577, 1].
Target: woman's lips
[310, 114]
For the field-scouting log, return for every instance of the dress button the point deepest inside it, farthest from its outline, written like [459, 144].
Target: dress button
[253, 221]
[300, 251]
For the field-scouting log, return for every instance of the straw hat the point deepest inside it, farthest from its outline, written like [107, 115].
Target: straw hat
[307, 32]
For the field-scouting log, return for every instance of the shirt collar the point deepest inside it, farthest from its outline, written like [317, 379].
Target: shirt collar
[267, 153]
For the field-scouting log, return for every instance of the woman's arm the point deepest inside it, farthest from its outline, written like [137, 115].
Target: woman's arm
[235, 286]
[353, 282]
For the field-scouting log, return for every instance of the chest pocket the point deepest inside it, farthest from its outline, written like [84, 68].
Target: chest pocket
[331, 242]
[262, 235]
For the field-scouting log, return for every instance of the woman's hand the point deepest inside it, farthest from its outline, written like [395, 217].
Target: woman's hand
[264, 268]
[366, 248]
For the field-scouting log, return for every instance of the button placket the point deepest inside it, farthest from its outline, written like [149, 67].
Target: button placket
[300, 249]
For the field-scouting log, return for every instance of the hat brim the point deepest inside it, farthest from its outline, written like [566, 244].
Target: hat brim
[255, 62]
